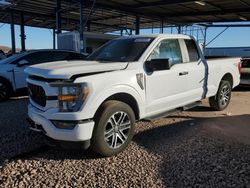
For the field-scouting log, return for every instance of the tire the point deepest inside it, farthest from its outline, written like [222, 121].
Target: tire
[222, 98]
[5, 90]
[114, 128]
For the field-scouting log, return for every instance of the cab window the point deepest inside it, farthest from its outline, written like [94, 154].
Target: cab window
[192, 50]
[168, 49]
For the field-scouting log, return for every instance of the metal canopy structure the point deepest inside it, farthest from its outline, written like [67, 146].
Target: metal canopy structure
[113, 15]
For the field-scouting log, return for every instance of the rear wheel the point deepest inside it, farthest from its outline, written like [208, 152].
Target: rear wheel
[4, 90]
[114, 128]
[222, 99]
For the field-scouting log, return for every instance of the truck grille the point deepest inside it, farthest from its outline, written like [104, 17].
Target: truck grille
[37, 94]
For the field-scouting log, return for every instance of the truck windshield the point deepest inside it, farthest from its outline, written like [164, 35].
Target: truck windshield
[121, 50]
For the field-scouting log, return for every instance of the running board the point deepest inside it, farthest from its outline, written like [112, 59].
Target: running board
[192, 105]
[169, 112]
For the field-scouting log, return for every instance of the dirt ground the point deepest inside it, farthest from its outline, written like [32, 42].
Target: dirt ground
[196, 148]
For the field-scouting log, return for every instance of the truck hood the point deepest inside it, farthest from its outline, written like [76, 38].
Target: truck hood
[67, 69]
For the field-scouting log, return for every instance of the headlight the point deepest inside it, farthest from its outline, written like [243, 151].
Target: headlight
[71, 96]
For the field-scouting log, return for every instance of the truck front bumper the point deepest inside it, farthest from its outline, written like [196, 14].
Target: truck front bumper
[81, 132]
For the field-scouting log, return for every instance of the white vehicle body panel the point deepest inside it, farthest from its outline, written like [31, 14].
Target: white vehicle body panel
[163, 90]
[14, 74]
[65, 70]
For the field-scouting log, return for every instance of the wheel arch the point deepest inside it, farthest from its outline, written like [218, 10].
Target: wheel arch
[126, 98]
[228, 77]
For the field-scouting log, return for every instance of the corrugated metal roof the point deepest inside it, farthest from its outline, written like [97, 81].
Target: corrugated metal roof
[111, 15]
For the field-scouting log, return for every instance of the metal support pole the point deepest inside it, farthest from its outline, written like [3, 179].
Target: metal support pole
[58, 17]
[137, 25]
[162, 26]
[22, 31]
[82, 46]
[12, 29]
[88, 26]
[179, 29]
[131, 32]
[54, 38]
[205, 41]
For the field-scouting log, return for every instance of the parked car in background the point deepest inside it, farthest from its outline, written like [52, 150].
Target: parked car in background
[97, 102]
[245, 71]
[2, 55]
[12, 76]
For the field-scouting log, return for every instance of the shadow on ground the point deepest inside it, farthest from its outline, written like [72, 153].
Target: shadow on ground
[242, 88]
[195, 152]
[204, 151]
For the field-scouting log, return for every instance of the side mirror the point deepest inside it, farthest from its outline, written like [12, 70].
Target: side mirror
[22, 63]
[157, 65]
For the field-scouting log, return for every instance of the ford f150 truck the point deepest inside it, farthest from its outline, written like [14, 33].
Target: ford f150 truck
[97, 102]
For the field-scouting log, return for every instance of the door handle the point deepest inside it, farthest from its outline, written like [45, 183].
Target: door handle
[183, 73]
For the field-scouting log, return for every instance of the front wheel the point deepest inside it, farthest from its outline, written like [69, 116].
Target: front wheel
[222, 99]
[114, 128]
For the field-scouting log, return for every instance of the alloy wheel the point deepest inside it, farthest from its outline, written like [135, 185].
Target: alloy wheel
[224, 95]
[117, 129]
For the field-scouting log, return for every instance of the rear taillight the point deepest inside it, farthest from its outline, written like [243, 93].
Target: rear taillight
[239, 67]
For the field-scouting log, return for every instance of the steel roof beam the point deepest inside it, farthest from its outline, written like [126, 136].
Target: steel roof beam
[52, 18]
[208, 13]
[245, 3]
[159, 3]
[225, 25]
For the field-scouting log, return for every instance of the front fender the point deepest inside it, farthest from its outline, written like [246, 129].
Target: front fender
[95, 101]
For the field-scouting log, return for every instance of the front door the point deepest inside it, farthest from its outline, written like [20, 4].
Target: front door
[167, 89]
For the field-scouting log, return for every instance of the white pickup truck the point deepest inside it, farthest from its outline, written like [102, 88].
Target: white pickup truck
[97, 102]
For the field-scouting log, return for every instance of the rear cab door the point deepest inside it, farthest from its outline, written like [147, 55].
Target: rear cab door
[197, 69]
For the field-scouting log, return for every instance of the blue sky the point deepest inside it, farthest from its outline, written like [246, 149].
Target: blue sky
[38, 38]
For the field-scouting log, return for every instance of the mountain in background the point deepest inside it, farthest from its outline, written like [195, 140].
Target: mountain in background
[6, 49]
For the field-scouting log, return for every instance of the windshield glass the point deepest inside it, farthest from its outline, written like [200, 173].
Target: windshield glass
[121, 50]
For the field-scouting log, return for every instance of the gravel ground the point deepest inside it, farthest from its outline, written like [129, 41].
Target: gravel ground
[198, 148]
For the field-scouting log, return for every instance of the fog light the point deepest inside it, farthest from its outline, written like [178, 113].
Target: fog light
[64, 124]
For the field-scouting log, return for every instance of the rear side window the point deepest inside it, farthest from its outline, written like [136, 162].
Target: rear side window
[37, 57]
[192, 50]
[75, 56]
[61, 56]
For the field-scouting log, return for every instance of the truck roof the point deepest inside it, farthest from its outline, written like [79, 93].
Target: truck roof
[179, 36]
